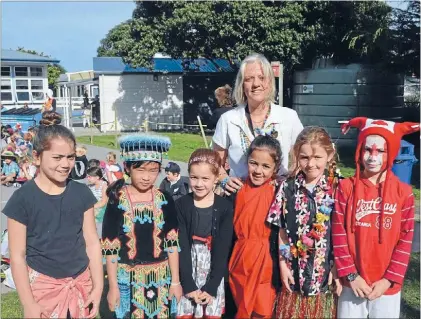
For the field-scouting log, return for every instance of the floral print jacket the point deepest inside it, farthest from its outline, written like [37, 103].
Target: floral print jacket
[305, 216]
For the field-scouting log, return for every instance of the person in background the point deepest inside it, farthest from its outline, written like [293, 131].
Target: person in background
[174, 184]
[78, 172]
[27, 169]
[10, 169]
[223, 97]
[98, 186]
[26, 106]
[112, 168]
[50, 103]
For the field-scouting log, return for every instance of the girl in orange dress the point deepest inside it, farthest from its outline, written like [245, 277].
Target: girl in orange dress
[254, 258]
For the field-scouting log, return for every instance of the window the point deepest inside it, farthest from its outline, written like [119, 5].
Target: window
[23, 96]
[36, 71]
[6, 84]
[6, 96]
[37, 96]
[22, 85]
[5, 71]
[36, 85]
[21, 71]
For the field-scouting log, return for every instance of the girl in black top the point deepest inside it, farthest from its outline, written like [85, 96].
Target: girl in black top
[140, 235]
[206, 227]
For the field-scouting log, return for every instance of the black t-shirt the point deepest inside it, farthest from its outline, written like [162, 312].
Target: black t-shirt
[203, 222]
[55, 245]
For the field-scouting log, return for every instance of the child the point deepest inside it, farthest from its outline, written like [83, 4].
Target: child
[254, 259]
[86, 117]
[373, 224]
[140, 231]
[27, 169]
[98, 187]
[205, 222]
[10, 169]
[174, 184]
[78, 173]
[55, 252]
[302, 212]
[113, 169]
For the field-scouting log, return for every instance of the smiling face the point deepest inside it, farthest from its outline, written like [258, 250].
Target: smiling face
[202, 179]
[143, 177]
[255, 85]
[374, 155]
[313, 160]
[57, 162]
[261, 166]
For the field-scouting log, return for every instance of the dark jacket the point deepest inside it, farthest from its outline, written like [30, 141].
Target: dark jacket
[222, 230]
[216, 114]
[79, 170]
[176, 190]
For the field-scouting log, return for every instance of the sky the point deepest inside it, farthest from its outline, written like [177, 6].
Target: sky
[68, 31]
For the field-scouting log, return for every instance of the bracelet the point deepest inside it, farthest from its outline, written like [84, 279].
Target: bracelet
[224, 182]
[175, 283]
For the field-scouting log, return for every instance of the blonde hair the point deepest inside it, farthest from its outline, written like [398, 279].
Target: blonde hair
[111, 156]
[311, 135]
[238, 94]
[81, 149]
[223, 96]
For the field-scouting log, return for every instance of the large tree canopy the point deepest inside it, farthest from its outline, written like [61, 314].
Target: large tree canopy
[291, 32]
[53, 70]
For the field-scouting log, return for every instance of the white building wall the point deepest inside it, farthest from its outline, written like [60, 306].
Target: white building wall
[130, 98]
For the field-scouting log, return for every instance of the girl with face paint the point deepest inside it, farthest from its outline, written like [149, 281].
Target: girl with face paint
[373, 224]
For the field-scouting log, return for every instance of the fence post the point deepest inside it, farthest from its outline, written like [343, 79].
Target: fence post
[115, 126]
[203, 131]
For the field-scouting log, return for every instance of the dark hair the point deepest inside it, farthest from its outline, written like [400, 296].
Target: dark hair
[96, 171]
[205, 155]
[113, 191]
[50, 129]
[94, 163]
[270, 144]
[172, 168]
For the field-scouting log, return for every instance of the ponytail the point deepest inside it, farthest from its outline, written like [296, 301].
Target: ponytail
[113, 191]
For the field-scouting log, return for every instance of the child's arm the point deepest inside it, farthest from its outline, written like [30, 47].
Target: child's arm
[93, 250]
[104, 199]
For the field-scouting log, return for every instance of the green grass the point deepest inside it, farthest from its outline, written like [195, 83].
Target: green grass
[410, 305]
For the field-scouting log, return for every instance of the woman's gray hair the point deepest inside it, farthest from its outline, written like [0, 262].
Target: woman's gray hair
[238, 93]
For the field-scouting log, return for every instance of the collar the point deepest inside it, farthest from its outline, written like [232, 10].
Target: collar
[174, 182]
[300, 182]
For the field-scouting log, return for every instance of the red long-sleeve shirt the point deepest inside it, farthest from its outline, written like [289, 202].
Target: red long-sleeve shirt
[361, 251]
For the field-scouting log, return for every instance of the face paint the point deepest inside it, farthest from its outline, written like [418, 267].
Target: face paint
[374, 156]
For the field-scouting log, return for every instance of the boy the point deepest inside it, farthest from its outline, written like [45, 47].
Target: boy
[174, 184]
[373, 224]
[10, 169]
[78, 172]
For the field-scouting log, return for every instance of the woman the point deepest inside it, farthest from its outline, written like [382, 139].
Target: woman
[256, 114]
[223, 96]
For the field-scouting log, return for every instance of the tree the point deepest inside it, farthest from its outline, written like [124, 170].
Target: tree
[53, 70]
[291, 32]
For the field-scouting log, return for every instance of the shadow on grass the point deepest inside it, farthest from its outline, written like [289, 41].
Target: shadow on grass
[410, 304]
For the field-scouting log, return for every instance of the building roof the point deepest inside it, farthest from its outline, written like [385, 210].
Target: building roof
[17, 56]
[115, 65]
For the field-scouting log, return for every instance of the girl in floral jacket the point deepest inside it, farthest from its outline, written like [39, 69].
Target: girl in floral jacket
[302, 210]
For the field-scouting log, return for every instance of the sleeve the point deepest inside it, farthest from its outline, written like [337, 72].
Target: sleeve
[343, 259]
[3, 169]
[220, 137]
[89, 200]
[220, 253]
[297, 127]
[110, 242]
[170, 228]
[277, 210]
[15, 209]
[186, 268]
[16, 169]
[162, 186]
[400, 256]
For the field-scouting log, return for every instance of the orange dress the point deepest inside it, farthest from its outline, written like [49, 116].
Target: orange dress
[251, 264]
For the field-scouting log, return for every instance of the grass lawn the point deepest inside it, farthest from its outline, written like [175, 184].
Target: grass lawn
[410, 304]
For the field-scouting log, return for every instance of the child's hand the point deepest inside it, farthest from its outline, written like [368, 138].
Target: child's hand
[379, 288]
[113, 298]
[286, 276]
[195, 296]
[338, 285]
[360, 287]
[175, 291]
[35, 310]
[94, 298]
[205, 298]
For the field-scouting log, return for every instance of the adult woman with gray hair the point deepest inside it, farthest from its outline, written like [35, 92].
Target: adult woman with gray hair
[256, 114]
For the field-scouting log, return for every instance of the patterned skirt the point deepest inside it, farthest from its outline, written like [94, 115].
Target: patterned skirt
[144, 290]
[201, 264]
[295, 305]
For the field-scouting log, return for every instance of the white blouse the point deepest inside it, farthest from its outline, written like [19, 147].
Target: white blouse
[233, 134]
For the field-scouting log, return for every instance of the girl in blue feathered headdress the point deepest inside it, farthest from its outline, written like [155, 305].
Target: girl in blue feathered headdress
[140, 235]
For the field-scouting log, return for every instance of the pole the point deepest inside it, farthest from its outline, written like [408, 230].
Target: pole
[281, 85]
[115, 126]
[203, 131]
[91, 126]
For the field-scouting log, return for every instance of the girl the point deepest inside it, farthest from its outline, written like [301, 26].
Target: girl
[55, 251]
[113, 169]
[302, 210]
[98, 187]
[140, 231]
[205, 222]
[254, 256]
